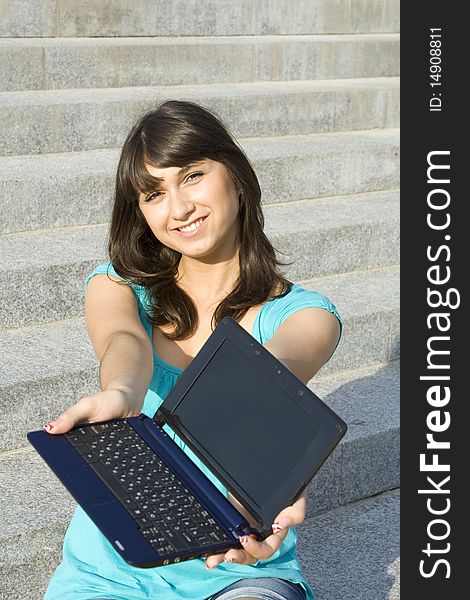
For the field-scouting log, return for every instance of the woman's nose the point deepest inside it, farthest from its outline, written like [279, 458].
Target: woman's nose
[181, 205]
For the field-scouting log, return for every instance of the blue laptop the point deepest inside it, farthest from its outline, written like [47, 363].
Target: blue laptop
[260, 431]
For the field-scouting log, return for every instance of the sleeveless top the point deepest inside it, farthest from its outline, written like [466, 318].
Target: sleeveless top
[91, 568]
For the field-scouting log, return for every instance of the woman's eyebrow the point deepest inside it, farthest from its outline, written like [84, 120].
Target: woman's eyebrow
[158, 181]
[189, 166]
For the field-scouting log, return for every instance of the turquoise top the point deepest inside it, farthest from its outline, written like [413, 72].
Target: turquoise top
[91, 568]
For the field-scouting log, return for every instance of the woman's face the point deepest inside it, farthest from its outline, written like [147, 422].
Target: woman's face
[200, 195]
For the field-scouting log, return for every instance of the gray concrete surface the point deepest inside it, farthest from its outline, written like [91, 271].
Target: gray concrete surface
[46, 63]
[368, 460]
[354, 551]
[54, 121]
[211, 17]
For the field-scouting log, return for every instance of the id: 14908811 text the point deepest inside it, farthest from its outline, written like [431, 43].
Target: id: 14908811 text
[435, 69]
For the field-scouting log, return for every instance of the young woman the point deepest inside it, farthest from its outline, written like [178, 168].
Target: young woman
[187, 248]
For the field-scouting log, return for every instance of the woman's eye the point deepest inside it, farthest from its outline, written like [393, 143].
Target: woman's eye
[195, 175]
[152, 196]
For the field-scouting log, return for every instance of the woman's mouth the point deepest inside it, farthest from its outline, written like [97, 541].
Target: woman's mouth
[192, 229]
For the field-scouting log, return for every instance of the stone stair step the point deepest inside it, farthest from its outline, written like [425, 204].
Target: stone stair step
[354, 551]
[75, 188]
[32, 538]
[46, 368]
[323, 236]
[367, 461]
[55, 121]
[35, 511]
[51, 18]
[58, 63]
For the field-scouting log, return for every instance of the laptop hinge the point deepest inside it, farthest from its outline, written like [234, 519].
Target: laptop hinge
[159, 418]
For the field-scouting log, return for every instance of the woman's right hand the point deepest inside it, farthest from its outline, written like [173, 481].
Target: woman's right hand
[109, 404]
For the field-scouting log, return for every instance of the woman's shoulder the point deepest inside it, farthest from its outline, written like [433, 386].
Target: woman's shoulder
[105, 268]
[108, 269]
[295, 298]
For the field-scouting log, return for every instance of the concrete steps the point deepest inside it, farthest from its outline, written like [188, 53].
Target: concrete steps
[354, 551]
[75, 188]
[48, 367]
[368, 460]
[32, 526]
[49, 18]
[59, 63]
[55, 121]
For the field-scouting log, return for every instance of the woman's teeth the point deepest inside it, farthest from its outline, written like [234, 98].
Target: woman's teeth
[192, 227]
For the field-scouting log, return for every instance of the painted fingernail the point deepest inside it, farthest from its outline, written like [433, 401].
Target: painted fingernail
[48, 427]
[276, 527]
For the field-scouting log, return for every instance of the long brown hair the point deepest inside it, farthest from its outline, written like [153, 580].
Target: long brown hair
[174, 135]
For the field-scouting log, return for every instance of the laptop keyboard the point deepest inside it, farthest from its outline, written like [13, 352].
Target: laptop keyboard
[168, 514]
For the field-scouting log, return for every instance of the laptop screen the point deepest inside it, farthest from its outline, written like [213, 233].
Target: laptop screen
[254, 432]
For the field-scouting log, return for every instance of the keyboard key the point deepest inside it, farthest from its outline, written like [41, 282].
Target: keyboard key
[215, 536]
[175, 539]
[143, 520]
[91, 457]
[190, 540]
[204, 540]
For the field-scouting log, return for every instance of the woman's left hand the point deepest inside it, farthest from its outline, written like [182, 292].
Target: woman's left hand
[252, 549]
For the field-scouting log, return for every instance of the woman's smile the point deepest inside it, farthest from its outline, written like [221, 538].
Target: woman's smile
[193, 229]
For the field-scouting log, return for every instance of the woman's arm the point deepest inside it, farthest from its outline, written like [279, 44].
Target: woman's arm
[125, 353]
[305, 341]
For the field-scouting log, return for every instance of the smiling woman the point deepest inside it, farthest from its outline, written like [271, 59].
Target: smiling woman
[179, 164]
[187, 248]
